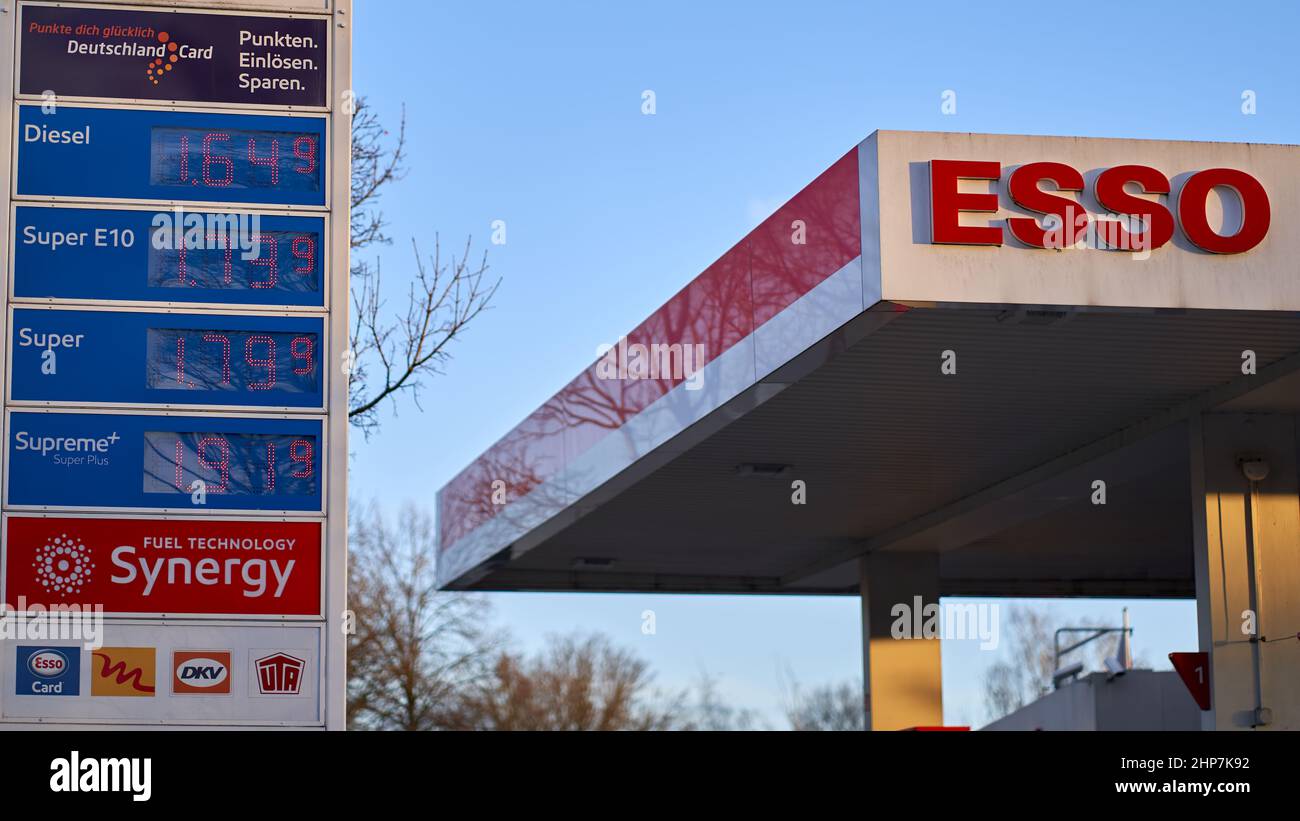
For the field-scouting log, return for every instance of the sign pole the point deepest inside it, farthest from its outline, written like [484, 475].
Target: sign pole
[338, 620]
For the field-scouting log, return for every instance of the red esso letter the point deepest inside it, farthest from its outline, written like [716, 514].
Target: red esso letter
[947, 203]
[1024, 191]
[1110, 193]
[1255, 214]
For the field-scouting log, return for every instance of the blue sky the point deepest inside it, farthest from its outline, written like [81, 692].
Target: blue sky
[531, 113]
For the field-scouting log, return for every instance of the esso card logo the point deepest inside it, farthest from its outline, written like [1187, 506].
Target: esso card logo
[201, 672]
[48, 671]
[1129, 222]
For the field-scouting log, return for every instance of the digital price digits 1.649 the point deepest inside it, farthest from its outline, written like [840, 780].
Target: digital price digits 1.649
[234, 158]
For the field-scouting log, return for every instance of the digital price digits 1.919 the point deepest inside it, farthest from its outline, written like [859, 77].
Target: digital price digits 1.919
[230, 463]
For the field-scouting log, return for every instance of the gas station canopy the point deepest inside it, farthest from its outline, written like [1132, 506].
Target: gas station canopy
[989, 348]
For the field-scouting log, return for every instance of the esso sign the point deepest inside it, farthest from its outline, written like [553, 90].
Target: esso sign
[1133, 222]
[47, 664]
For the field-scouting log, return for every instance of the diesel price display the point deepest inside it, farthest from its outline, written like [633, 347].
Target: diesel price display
[235, 158]
[171, 156]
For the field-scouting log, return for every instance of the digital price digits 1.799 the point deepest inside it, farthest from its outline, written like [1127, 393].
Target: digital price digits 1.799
[221, 360]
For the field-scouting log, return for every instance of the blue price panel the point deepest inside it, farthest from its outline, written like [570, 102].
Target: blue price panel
[168, 256]
[175, 462]
[166, 359]
[171, 155]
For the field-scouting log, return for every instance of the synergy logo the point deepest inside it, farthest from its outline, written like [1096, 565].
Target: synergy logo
[123, 671]
[63, 565]
[48, 671]
[279, 674]
[201, 672]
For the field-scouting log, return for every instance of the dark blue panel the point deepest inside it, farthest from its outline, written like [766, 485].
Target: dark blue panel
[171, 155]
[165, 256]
[167, 54]
[128, 461]
[171, 359]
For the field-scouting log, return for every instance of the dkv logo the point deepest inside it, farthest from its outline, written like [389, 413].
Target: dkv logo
[201, 672]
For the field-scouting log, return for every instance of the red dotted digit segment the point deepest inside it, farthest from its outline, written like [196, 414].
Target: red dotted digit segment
[224, 342]
[300, 451]
[270, 467]
[272, 162]
[304, 148]
[304, 248]
[222, 464]
[304, 348]
[267, 257]
[267, 362]
[211, 159]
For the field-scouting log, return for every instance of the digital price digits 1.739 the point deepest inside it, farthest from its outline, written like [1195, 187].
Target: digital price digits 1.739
[273, 260]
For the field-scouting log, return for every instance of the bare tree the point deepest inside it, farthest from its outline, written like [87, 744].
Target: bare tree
[1024, 674]
[707, 710]
[830, 707]
[393, 351]
[415, 649]
[577, 683]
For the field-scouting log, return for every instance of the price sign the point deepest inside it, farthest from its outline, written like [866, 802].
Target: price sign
[166, 358]
[104, 461]
[170, 155]
[168, 256]
[174, 435]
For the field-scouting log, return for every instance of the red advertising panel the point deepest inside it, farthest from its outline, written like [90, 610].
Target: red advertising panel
[169, 567]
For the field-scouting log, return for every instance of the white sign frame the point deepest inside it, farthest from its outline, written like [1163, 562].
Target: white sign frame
[332, 515]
